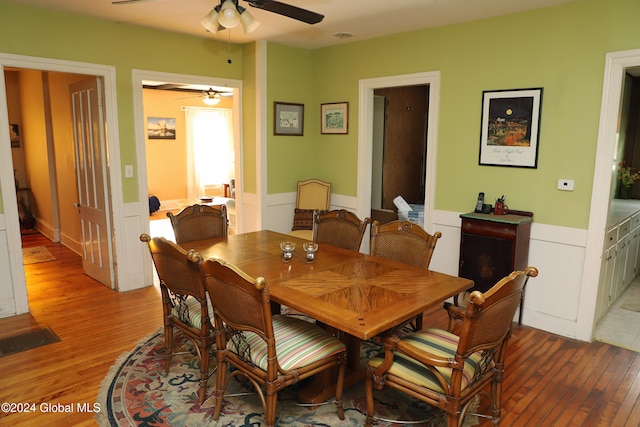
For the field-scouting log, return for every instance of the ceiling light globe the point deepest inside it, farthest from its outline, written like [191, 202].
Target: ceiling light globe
[249, 23]
[229, 16]
[210, 22]
[211, 100]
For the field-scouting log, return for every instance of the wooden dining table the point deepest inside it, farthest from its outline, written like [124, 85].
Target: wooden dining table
[357, 296]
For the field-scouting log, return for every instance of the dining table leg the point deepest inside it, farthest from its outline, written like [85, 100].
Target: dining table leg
[322, 386]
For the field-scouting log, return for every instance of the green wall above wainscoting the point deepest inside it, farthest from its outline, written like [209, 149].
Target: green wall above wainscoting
[561, 49]
[44, 33]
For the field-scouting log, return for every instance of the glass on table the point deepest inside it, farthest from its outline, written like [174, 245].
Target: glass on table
[310, 249]
[287, 250]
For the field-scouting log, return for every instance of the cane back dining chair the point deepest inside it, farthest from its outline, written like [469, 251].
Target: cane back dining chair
[199, 222]
[406, 242]
[271, 351]
[312, 195]
[184, 302]
[339, 228]
[448, 370]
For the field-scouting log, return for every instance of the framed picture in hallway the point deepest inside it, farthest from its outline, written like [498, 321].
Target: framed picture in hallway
[14, 130]
[288, 118]
[161, 127]
[510, 127]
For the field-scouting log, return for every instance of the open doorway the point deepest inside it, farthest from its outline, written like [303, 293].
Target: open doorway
[58, 148]
[399, 149]
[616, 64]
[366, 125]
[142, 78]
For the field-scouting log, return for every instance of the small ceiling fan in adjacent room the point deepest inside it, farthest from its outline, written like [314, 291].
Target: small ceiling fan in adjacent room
[211, 97]
[229, 14]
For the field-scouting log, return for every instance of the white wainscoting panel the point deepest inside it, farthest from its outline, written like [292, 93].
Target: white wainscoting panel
[552, 298]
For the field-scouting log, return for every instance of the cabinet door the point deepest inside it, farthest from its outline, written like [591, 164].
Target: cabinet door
[622, 250]
[485, 260]
[634, 251]
[606, 280]
[609, 277]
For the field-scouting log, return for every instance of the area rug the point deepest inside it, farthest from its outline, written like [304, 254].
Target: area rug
[136, 393]
[36, 254]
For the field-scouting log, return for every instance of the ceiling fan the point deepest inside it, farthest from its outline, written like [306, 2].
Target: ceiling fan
[211, 96]
[269, 5]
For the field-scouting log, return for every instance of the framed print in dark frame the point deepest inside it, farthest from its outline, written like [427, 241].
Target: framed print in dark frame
[288, 119]
[334, 118]
[510, 127]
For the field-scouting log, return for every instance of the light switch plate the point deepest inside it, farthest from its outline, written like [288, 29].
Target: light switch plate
[128, 171]
[565, 184]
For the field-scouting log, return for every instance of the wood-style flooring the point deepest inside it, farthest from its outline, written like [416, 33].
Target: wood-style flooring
[550, 380]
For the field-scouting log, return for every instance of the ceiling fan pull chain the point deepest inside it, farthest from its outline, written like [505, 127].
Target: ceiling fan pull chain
[229, 51]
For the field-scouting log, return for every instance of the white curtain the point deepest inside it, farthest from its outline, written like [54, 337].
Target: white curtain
[210, 158]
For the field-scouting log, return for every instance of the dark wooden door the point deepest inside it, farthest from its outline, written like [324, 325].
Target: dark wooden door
[403, 170]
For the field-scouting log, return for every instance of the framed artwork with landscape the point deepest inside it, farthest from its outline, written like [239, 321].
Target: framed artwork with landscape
[510, 127]
[288, 118]
[334, 118]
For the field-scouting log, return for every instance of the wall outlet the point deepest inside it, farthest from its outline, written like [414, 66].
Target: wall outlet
[565, 184]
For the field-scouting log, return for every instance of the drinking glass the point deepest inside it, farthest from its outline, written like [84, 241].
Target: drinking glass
[310, 249]
[287, 250]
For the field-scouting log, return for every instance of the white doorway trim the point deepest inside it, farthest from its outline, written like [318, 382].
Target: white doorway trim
[615, 65]
[365, 136]
[108, 73]
[138, 77]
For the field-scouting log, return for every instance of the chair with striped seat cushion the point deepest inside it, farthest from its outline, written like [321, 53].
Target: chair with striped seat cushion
[339, 228]
[199, 222]
[184, 301]
[406, 242]
[188, 311]
[437, 342]
[448, 370]
[272, 352]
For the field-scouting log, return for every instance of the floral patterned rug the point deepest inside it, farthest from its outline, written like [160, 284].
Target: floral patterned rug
[136, 393]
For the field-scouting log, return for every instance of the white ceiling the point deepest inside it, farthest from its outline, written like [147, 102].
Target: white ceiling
[365, 19]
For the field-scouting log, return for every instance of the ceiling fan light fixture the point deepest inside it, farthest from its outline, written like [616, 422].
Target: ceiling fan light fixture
[211, 100]
[229, 17]
[210, 21]
[249, 23]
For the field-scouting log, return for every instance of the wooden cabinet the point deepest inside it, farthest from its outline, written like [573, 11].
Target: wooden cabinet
[620, 264]
[492, 246]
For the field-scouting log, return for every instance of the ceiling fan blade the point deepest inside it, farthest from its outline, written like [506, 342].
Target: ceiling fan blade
[287, 10]
[121, 2]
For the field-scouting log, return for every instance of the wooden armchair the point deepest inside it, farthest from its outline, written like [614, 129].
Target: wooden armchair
[312, 195]
[446, 370]
[199, 222]
[184, 301]
[406, 242]
[271, 351]
[339, 228]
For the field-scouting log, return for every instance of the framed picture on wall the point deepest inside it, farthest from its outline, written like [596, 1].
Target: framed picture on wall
[510, 127]
[14, 131]
[288, 119]
[161, 127]
[334, 118]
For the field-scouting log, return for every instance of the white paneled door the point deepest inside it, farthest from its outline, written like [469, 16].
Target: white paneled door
[91, 173]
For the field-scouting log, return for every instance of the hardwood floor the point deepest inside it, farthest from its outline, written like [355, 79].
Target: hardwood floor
[95, 326]
[550, 380]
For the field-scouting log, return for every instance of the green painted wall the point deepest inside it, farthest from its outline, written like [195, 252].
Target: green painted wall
[43, 33]
[290, 158]
[561, 49]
